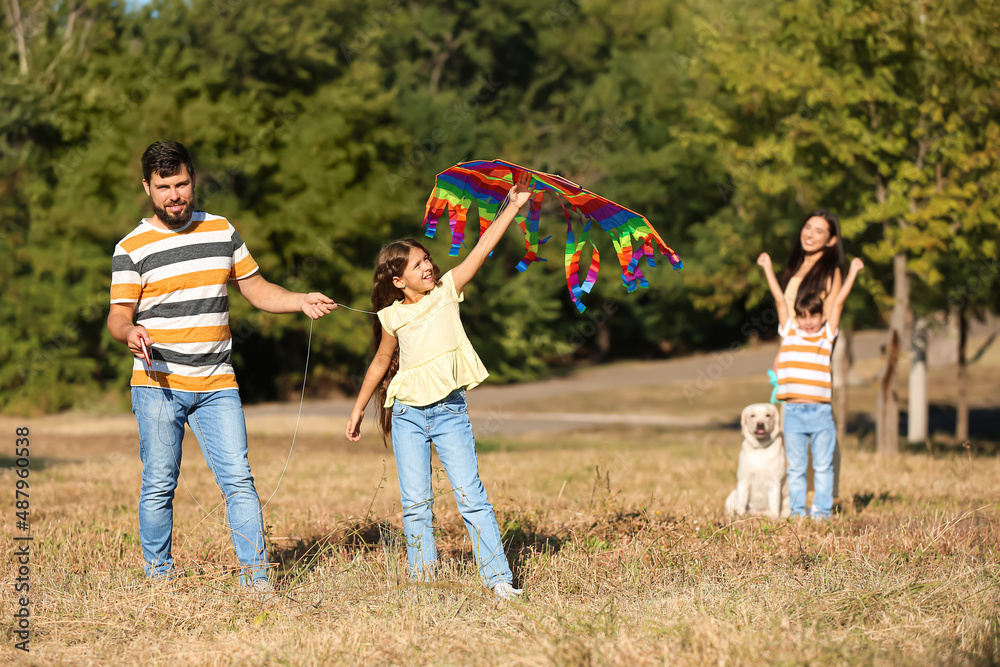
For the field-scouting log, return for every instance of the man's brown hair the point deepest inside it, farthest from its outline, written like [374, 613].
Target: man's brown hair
[164, 158]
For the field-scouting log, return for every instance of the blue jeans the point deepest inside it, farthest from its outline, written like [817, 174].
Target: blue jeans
[217, 421]
[446, 423]
[805, 424]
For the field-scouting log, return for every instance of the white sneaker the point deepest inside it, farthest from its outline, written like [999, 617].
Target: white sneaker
[505, 591]
[260, 589]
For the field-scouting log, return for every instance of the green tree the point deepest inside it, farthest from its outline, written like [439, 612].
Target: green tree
[829, 106]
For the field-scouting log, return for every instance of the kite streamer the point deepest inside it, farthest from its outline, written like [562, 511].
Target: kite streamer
[488, 183]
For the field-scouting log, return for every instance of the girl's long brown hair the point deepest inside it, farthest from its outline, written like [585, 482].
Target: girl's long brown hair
[390, 264]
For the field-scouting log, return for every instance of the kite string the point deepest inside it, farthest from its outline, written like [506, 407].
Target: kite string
[503, 205]
[340, 305]
[302, 398]
[291, 447]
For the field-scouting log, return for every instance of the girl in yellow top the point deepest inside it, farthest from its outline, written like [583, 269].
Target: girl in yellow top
[423, 364]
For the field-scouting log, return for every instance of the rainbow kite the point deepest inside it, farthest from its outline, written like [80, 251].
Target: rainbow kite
[490, 181]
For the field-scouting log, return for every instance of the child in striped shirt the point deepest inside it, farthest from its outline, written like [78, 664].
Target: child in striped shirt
[804, 383]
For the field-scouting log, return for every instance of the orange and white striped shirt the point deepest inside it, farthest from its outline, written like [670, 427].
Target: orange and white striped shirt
[178, 280]
[804, 364]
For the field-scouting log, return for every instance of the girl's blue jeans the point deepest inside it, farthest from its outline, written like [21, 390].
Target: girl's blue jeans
[216, 418]
[446, 424]
[810, 424]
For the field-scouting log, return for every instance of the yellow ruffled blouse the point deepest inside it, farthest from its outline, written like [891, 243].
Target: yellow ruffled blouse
[435, 355]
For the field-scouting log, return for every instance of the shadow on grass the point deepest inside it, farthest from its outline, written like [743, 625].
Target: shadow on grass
[608, 524]
[861, 501]
[300, 556]
[524, 539]
[37, 462]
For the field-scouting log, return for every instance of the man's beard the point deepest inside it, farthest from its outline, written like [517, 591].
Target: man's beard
[174, 220]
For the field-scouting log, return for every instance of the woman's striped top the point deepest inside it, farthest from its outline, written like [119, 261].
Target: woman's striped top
[177, 279]
[804, 364]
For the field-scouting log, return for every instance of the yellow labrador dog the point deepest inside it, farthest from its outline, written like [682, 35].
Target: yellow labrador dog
[761, 479]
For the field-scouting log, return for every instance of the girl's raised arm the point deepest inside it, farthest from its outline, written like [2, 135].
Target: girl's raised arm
[519, 195]
[376, 371]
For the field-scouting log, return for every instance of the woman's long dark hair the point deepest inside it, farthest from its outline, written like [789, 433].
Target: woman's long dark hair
[390, 264]
[825, 268]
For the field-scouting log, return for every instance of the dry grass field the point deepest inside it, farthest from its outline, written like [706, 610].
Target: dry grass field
[616, 533]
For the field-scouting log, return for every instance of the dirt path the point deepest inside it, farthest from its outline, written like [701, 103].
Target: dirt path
[499, 411]
[486, 404]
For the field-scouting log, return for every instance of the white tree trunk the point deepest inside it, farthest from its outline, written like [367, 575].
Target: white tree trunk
[12, 8]
[900, 296]
[916, 422]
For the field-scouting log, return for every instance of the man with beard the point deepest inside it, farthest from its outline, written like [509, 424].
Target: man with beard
[170, 306]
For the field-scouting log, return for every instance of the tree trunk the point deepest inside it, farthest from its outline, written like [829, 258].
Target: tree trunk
[962, 408]
[602, 341]
[13, 10]
[900, 296]
[947, 350]
[841, 363]
[886, 406]
[916, 415]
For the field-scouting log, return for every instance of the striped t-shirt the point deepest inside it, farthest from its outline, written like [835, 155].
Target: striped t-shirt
[178, 280]
[804, 364]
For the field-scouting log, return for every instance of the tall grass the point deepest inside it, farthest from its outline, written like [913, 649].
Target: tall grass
[618, 538]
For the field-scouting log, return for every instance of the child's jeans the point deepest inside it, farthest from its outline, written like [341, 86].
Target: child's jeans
[805, 422]
[446, 423]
